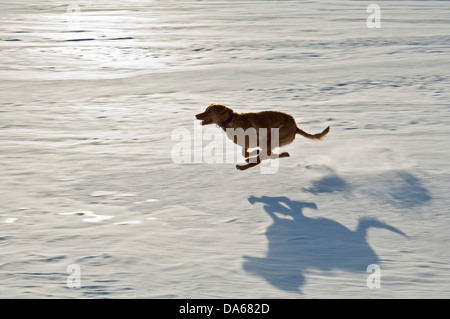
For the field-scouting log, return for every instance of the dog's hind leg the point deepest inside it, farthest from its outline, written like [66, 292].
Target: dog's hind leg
[268, 154]
[281, 155]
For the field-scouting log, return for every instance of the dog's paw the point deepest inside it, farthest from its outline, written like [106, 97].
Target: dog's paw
[241, 167]
[284, 154]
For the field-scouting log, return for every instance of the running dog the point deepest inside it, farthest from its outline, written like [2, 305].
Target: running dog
[284, 124]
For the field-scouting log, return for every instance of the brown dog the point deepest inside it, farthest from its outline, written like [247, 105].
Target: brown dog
[284, 124]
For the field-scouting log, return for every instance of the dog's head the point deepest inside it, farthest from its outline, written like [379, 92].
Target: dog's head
[214, 114]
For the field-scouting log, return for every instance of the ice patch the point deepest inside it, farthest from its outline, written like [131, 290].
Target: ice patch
[10, 220]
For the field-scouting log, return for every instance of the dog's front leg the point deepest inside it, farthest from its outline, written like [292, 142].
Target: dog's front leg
[249, 155]
[246, 166]
[245, 152]
[253, 161]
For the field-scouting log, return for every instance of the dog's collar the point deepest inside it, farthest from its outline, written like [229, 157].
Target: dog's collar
[227, 121]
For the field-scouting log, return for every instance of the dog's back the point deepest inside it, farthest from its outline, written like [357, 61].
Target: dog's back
[266, 119]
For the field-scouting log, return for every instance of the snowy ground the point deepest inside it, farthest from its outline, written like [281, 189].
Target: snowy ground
[89, 103]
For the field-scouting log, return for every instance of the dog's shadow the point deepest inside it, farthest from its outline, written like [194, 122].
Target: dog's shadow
[298, 243]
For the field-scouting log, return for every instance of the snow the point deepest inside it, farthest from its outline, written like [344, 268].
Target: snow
[89, 105]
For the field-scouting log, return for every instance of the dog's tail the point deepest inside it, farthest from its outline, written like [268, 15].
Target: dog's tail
[317, 136]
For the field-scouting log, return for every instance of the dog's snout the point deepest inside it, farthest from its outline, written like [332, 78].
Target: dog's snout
[199, 116]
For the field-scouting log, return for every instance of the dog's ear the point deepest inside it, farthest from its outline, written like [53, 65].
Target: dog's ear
[224, 109]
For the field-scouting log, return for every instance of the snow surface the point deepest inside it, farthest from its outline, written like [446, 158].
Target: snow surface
[89, 103]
